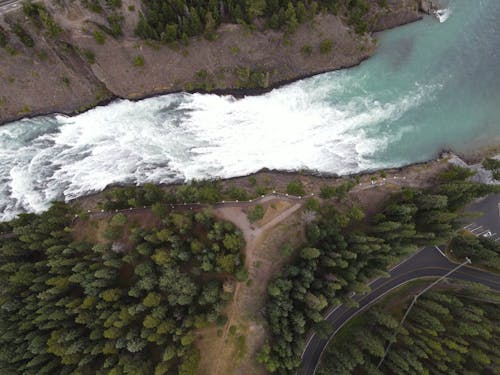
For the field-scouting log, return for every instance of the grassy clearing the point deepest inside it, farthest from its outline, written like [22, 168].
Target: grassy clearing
[93, 229]
[270, 211]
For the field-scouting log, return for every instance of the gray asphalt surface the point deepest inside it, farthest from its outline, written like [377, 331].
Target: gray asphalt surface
[489, 221]
[428, 262]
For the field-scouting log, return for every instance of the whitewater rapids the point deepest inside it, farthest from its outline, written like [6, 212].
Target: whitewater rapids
[431, 86]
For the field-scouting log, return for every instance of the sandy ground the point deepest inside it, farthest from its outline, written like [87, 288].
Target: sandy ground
[55, 75]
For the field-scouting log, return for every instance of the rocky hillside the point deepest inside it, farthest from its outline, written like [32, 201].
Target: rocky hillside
[66, 57]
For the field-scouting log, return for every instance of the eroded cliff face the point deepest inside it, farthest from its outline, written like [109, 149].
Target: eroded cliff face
[73, 71]
[397, 13]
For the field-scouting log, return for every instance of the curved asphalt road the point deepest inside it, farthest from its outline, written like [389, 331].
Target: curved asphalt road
[429, 262]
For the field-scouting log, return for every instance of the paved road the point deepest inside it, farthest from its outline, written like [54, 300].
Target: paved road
[428, 262]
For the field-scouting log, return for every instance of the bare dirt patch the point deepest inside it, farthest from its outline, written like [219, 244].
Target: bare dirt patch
[232, 349]
[92, 228]
[56, 75]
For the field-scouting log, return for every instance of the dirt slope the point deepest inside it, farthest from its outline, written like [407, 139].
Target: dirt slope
[56, 75]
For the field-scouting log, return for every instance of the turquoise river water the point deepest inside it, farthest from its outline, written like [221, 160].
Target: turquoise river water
[432, 85]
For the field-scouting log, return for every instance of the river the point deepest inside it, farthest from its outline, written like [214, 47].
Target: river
[431, 86]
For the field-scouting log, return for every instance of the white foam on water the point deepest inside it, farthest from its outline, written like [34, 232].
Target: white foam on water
[444, 14]
[183, 137]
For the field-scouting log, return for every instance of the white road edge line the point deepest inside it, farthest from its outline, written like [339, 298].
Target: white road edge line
[329, 313]
[364, 308]
[440, 252]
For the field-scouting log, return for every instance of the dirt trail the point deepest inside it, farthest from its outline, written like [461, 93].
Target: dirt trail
[253, 236]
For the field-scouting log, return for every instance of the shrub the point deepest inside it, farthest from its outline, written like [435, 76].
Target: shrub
[307, 50]
[30, 9]
[262, 190]
[202, 74]
[342, 190]
[113, 233]
[25, 109]
[210, 26]
[295, 188]
[89, 55]
[256, 213]
[286, 249]
[42, 55]
[241, 275]
[4, 38]
[118, 220]
[456, 173]
[23, 35]
[115, 22]
[357, 16]
[312, 204]
[326, 46]
[327, 192]
[221, 320]
[114, 3]
[170, 34]
[491, 164]
[99, 37]
[42, 18]
[50, 24]
[138, 61]
[237, 193]
[11, 50]
[248, 78]
[92, 5]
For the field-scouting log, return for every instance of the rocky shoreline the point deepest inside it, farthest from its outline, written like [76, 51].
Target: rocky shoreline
[237, 93]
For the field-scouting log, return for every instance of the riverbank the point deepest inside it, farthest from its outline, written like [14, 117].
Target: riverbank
[273, 179]
[74, 73]
[367, 185]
